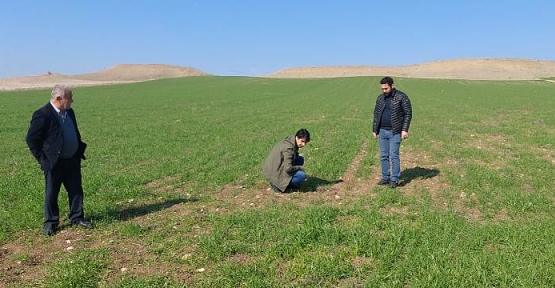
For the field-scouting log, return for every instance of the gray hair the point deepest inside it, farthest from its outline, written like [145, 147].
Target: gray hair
[60, 91]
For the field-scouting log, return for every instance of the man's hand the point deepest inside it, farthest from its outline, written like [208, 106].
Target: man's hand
[404, 134]
[375, 135]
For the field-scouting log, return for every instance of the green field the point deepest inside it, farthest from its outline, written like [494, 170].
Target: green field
[173, 185]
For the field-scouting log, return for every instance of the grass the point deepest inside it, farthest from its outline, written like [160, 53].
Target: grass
[173, 185]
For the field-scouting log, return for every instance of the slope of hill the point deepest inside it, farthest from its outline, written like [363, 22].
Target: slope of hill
[123, 73]
[140, 72]
[472, 69]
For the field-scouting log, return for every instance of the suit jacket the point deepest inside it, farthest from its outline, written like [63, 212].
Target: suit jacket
[44, 137]
[279, 167]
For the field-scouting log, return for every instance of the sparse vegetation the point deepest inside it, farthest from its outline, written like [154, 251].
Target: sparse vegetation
[173, 185]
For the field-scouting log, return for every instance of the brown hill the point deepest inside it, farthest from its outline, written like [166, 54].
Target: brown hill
[124, 73]
[472, 69]
[140, 72]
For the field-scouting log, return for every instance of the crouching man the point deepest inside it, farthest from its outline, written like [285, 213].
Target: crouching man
[284, 166]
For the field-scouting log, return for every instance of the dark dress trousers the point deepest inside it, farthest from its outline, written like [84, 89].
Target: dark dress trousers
[45, 140]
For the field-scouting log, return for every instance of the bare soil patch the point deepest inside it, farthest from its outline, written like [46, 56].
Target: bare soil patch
[27, 258]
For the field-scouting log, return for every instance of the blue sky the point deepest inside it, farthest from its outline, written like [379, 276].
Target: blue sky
[259, 37]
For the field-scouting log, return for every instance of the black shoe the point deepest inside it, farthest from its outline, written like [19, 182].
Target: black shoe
[393, 184]
[293, 188]
[82, 223]
[383, 182]
[49, 231]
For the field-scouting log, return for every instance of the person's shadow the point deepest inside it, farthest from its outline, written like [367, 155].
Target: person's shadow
[115, 214]
[417, 173]
[312, 184]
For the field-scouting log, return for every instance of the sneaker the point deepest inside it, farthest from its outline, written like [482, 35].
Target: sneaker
[393, 184]
[383, 182]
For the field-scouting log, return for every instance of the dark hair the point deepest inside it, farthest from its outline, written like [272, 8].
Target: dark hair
[387, 80]
[303, 134]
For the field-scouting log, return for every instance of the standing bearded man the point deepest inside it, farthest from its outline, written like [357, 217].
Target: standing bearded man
[392, 116]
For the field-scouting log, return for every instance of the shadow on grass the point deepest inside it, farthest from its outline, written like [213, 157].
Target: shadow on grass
[312, 184]
[417, 173]
[137, 211]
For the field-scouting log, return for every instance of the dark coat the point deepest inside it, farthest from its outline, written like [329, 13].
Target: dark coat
[401, 112]
[279, 167]
[44, 137]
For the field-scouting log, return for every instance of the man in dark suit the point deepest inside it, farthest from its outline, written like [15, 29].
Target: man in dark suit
[55, 142]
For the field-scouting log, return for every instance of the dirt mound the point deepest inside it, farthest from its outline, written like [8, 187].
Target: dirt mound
[471, 69]
[140, 72]
[124, 73]
[41, 81]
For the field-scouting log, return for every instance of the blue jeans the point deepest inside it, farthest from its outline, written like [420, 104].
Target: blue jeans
[389, 151]
[299, 176]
